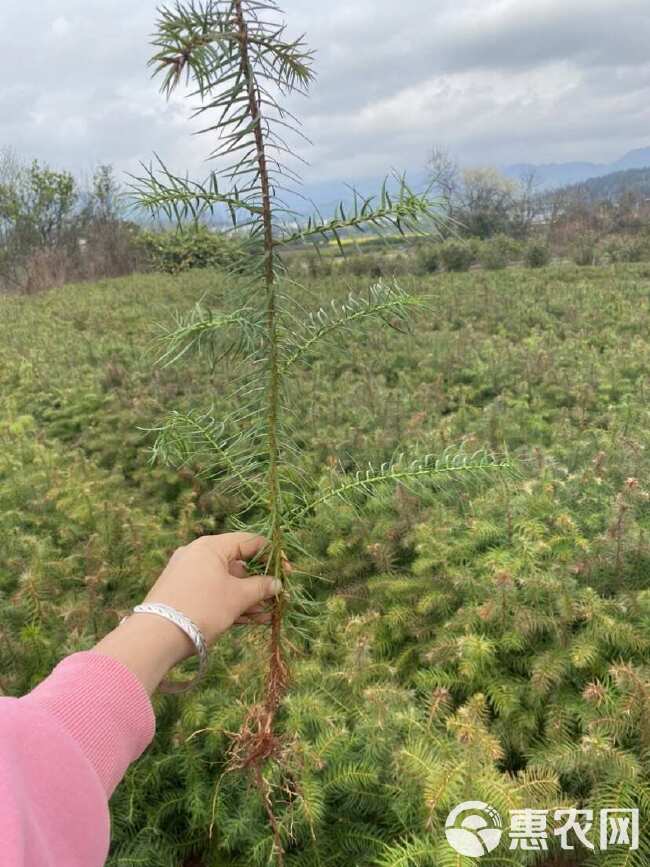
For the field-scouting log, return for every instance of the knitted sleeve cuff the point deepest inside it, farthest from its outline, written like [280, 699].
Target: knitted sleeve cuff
[103, 706]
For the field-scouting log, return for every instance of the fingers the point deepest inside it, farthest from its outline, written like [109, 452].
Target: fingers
[262, 619]
[262, 608]
[256, 614]
[235, 546]
[240, 546]
[238, 569]
[246, 545]
[258, 588]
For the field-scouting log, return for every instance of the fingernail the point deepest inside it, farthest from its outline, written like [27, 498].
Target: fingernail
[276, 586]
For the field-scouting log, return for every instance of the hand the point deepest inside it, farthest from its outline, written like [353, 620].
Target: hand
[207, 581]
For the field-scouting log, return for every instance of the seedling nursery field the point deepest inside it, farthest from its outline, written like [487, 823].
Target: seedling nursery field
[482, 638]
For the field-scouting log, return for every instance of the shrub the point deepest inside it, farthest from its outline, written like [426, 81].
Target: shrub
[427, 258]
[176, 251]
[634, 251]
[584, 251]
[626, 250]
[311, 264]
[495, 253]
[537, 255]
[364, 265]
[456, 255]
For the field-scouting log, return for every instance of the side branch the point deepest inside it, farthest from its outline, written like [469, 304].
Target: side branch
[429, 467]
[181, 199]
[403, 212]
[186, 435]
[383, 301]
[201, 325]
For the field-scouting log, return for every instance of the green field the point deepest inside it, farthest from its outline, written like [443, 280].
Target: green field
[487, 642]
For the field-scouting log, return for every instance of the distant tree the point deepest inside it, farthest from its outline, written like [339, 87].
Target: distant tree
[38, 207]
[54, 229]
[106, 198]
[444, 178]
[527, 205]
[37, 203]
[572, 213]
[10, 169]
[482, 201]
[487, 202]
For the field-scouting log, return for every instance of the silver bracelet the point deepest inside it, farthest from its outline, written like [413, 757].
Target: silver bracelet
[189, 628]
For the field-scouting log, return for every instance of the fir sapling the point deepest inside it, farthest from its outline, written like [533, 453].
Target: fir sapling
[238, 64]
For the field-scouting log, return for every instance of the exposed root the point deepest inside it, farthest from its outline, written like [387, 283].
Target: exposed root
[264, 788]
[256, 743]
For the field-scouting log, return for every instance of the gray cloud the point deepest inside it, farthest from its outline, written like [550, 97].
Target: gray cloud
[493, 80]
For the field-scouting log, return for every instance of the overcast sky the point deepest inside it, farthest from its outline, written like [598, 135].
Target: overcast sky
[493, 81]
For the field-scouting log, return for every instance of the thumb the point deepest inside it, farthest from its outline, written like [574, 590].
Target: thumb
[258, 588]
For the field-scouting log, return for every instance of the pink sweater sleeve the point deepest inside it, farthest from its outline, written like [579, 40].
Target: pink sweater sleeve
[64, 747]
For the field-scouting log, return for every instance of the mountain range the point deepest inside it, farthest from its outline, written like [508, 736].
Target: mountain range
[553, 175]
[549, 176]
